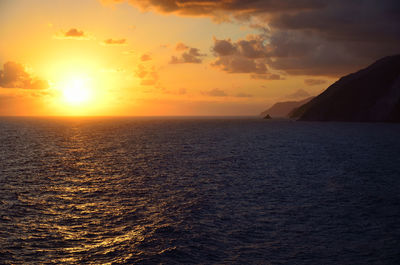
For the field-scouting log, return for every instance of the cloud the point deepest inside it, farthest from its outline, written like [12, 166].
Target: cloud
[224, 47]
[243, 95]
[301, 93]
[314, 82]
[253, 47]
[303, 37]
[216, 92]
[248, 55]
[181, 46]
[72, 34]
[287, 51]
[215, 7]
[239, 64]
[14, 75]
[145, 57]
[148, 75]
[267, 76]
[347, 20]
[299, 54]
[192, 55]
[114, 42]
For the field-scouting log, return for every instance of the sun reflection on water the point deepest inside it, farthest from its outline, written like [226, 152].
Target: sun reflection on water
[82, 211]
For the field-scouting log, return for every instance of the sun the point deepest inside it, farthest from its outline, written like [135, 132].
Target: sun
[78, 93]
[77, 90]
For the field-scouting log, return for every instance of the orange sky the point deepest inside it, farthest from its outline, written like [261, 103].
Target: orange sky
[92, 57]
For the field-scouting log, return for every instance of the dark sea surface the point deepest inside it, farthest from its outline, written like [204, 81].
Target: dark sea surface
[185, 190]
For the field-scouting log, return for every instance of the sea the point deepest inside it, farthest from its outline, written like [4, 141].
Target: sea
[202, 190]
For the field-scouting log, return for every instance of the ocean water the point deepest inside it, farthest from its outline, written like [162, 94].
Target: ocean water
[198, 191]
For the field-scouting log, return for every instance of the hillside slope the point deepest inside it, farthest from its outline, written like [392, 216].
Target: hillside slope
[369, 95]
[282, 109]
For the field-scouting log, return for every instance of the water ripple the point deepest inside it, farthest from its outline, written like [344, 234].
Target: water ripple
[173, 191]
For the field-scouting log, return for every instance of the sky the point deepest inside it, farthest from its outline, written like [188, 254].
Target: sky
[183, 57]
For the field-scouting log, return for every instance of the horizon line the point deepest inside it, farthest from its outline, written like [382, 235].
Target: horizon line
[125, 116]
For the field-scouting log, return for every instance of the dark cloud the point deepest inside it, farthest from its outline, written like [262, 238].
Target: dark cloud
[301, 93]
[14, 75]
[314, 82]
[192, 55]
[253, 47]
[238, 64]
[216, 92]
[309, 54]
[289, 51]
[114, 42]
[215, 7]
[224, 47]
[243, 56]
[357, 20]
[305, 37]
[72, 33]
[145, 57]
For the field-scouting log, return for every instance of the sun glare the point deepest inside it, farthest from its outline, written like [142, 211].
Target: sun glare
[77, 91]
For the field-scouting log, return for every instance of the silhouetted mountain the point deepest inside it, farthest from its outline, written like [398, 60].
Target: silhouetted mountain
[369, 95]
[282, 109]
